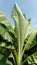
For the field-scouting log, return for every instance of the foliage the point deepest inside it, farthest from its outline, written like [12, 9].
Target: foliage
[17, 45]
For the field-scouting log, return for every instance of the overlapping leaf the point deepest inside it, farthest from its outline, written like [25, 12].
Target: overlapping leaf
[12, 42]
[6, 31]
[32, 60]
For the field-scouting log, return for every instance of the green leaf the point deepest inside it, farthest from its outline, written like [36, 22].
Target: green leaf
[4, 20]
[32, 60]
[30, 42]
[31, 51]
[6, 44]
[4, 24]
[12, 40]
[6, 30]
[5, 33]
[21, 25]
[4, 61]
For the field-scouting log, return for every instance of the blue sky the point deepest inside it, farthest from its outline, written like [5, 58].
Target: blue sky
[29, 7]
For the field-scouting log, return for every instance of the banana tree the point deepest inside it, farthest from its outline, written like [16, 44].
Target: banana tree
[17, 45]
